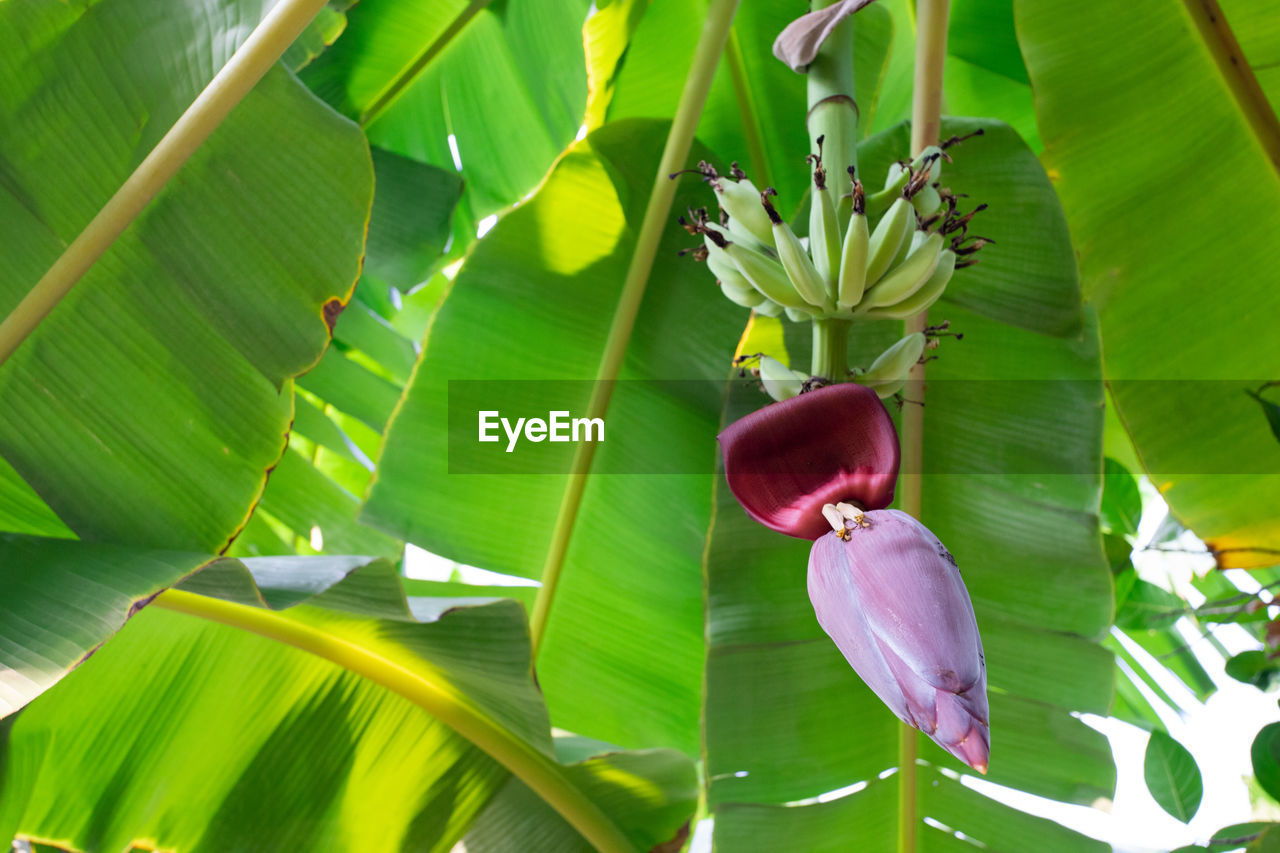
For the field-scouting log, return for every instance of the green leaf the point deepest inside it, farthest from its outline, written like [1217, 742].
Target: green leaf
[410, 72]
[1149, 607]
[1265, 754]
[268, 729]
[323, 31]
[1254, 667]
[148, 406]
[1121, 501]
[60, 599]
[1101, 85]
[1270, 410]
[517, 821]
[534, 301]
[409, 225]
[1229, 837]
[1172, 776]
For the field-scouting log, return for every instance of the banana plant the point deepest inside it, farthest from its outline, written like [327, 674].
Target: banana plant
[258, 253]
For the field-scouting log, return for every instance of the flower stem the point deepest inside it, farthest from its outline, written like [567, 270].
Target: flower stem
[926, 122]
[715, 31]
[266, 44]
[833, 113]
[437, 697]
[831, 349]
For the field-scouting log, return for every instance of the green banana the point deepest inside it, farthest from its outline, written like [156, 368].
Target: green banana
[798, 315]
[885, 241]
[780, 382]
[747, 297]
[795, 260]
[731, 236]
[763, 272]
[906, 278]
[769, 308]
[928, 201]
[741, 200]
[888, 373]
[824, 228]
[733, 283]
[854, 254]
[926, 295]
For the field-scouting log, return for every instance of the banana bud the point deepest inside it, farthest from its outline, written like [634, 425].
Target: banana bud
[888, 373]
[885, 241]
[780, 382]
[824, 228]
[906, 278]
[795, 260]
[928, 293]
[853, 256]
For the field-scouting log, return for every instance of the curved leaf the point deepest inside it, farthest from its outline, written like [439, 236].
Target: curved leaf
[109, 411]
[1172, 776]
[1265, 754]
[410, 73]
[268, 730]
[60, 599]
[1119, 155]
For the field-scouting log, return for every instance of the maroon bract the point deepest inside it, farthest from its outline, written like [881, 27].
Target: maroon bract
[785, 461]
[890, 596]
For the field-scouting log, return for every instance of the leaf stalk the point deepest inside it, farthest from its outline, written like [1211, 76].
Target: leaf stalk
[251, 61]
[926, 123]
[435, 696]
[706, 57]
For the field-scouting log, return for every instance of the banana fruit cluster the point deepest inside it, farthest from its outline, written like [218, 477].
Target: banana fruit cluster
[886, 375]
[890, 254]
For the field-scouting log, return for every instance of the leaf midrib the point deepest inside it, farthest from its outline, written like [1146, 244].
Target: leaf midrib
[1220, 40]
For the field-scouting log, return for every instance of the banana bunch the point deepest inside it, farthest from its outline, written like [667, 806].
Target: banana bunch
[889, 254]
[886, 375]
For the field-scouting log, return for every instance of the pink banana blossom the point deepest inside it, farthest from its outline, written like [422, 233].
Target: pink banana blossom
[890, 595]
[822, 466]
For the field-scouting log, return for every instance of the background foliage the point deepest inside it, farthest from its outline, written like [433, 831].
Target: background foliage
[426, 190]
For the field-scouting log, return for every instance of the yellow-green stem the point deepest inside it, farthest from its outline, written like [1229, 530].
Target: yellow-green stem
[435, 696]
[831, 349]
[833, 113]
[397, 86]
[926, 122]
[706, 56]
[266, 44]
